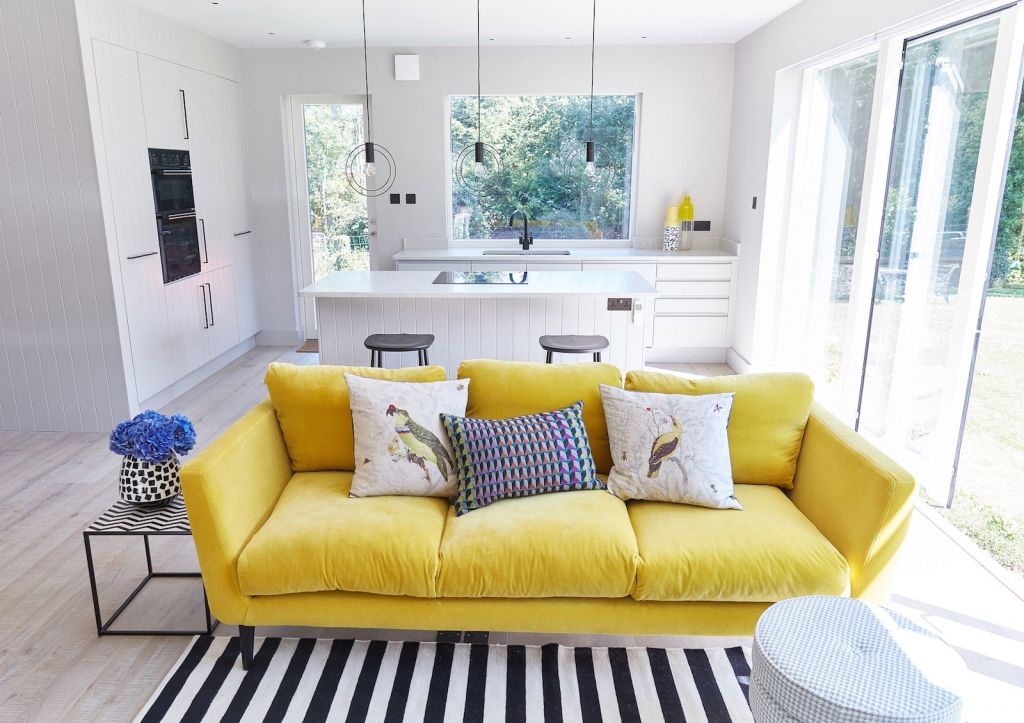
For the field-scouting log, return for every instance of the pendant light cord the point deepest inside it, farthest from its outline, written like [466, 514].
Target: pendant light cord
[593, 43]
[479, 127]
[366, 78]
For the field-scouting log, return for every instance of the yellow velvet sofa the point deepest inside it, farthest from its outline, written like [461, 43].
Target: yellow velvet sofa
[280, 542]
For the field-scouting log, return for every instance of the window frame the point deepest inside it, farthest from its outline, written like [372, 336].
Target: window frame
[631, 222]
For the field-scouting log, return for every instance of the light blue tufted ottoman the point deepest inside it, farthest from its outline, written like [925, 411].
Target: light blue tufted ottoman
[839, 660]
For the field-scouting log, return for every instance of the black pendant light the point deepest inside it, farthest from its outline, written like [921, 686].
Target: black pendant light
[363, 159]
[591, 149]
[571, 165]
[480, 180]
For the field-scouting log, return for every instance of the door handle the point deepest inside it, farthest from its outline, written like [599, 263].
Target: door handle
[242, 233]
[206, 250]
[206, 317]
[209, 292]
[184, 112]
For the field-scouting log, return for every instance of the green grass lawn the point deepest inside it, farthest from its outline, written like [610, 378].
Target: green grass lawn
[989, 502]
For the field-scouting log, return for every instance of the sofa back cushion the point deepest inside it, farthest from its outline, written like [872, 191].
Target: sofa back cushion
[769, 413]
[313, 410]
[501, 390]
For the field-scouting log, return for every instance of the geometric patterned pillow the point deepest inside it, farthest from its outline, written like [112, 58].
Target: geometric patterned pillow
[499, 458]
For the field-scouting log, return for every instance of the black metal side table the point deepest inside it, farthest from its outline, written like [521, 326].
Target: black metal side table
[125, 518]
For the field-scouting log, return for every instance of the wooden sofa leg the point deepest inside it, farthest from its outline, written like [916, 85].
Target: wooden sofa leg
[246, 636]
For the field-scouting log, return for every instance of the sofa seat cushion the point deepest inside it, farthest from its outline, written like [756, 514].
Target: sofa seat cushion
[573, 544]
[766, 552]
[318, 538]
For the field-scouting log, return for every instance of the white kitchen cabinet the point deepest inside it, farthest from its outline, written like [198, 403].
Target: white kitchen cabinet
[222, 326]
[648, 270]
[554, 266]
[124, 133]
[694, 272]
[692, 306]
[210, 137]
[148, 331]
[168, 103]
[499, 266]
[187, 313]
[695, 289]
[690, 331]
[433, 266]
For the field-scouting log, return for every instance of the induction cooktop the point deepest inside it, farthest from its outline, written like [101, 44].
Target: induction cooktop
[482, 277]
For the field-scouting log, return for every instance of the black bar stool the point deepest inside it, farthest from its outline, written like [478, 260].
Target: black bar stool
[380, 343]
[573, 344]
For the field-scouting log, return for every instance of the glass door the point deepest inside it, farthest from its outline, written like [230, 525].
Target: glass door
[913, 382]
[333, 221]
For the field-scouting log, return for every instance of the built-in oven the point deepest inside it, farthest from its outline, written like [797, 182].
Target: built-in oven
[176, 221]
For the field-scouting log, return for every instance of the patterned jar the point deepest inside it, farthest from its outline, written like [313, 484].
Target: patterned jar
[670, 238]
[149, 484]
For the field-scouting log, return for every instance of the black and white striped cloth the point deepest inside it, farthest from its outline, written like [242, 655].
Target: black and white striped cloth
[400, 682]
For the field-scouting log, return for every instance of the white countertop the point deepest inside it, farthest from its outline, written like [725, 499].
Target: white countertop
[420, 284]
[575, 254]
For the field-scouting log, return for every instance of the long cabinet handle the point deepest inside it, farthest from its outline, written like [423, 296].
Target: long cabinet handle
[142, 256]
[184, 112]
[206, 317]
[209, 292]
[206, 250]
[241, 233]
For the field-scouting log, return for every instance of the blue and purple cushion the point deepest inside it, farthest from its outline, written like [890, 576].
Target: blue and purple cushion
[499, 458]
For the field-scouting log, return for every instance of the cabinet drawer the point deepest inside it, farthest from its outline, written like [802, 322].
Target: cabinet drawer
[554, 266]
[696, 289]
[648, 271]
[690, 331]
[692, 306]
[499, 266]
[433, 266]
[695, 272]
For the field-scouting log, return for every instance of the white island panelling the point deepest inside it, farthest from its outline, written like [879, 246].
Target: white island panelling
[499, 321]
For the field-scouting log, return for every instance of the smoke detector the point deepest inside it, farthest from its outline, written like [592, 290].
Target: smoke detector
[316, 44]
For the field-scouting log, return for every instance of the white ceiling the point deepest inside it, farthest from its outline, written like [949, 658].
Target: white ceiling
[412, 23]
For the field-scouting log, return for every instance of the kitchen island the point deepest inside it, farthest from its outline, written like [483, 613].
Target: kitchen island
[480, 321]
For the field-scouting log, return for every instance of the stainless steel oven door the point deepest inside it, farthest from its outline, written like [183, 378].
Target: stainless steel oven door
[179, 245]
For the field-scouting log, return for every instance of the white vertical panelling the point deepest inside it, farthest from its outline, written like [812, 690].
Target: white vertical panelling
[488, 329]
[521, 330]
[457, 334]
[538, 323]
[59, 366]
[504, 316]
[440, 352]
[473, 329]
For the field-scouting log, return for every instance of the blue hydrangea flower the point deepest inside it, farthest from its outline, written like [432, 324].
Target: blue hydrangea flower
[152, 437]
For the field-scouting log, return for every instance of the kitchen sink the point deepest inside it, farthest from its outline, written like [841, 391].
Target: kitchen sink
[530, 252]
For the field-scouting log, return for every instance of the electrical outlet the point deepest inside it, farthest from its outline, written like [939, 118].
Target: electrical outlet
[396, 198]
[410, 198]
[701, 225]
[620, 304]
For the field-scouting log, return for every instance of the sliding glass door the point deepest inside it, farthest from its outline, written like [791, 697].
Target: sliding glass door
[911, 392]
[897, 163]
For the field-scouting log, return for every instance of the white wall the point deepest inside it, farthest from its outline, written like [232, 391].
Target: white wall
[687, 96]
[60, 356]
[809, 29]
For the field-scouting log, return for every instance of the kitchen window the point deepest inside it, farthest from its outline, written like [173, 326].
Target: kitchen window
[540, 140]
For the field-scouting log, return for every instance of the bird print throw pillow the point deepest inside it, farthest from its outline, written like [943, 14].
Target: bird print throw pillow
[401, 447]
[670, 447]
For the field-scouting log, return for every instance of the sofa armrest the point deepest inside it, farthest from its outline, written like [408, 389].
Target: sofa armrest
[857, 497]
[230, 489]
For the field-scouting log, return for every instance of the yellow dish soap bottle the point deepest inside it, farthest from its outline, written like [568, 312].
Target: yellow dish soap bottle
[670, 237]
[685, 224]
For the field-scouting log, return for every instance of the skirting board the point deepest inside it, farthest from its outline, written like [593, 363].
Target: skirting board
[169, 394]
[687, 355]
[734, 359]
[279, 337]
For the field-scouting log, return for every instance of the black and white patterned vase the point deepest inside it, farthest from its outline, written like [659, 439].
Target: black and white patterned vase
[150, 484]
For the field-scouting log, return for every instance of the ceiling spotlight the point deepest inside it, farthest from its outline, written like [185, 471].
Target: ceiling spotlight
[316, 44]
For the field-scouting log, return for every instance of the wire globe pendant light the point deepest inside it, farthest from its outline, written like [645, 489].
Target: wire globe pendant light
[478, 179]
[361, 164]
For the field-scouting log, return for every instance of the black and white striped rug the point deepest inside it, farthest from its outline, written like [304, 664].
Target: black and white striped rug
[401, 682]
